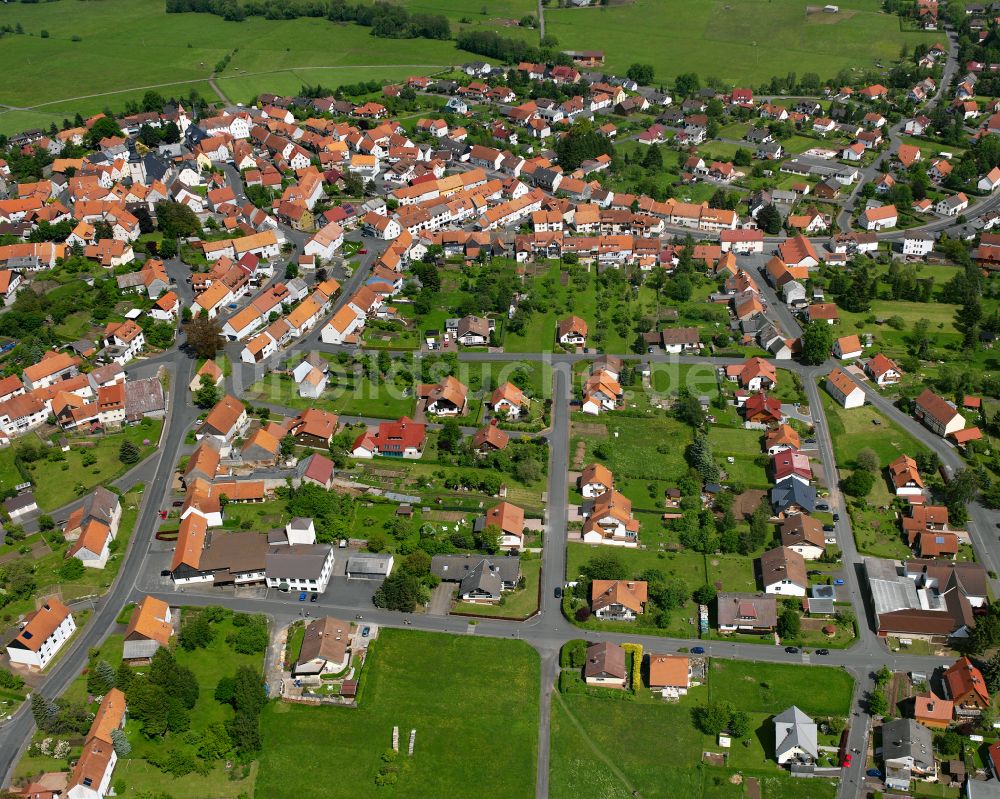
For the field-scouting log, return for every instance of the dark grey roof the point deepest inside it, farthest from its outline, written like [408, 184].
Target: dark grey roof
[144, 396]
[20, 502]
[303, 562]
[792, 492]
[905, 738]
[369, 563]
[459, 567]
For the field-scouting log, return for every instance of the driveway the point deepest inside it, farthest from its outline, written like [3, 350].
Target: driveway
[440, 602]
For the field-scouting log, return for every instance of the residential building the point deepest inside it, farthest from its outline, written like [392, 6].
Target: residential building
[605, 666]
[937, 414]
[783, 571]
[795, 741]
[325, 649]
[46, 631]
[844, 390]
[747, 613]
[618, 600]
[481, 580]
[965, 686]
[907, 752]
[670, 675]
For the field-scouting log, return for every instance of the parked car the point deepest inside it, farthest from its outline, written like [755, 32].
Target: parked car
[302, 596]
[558, 592]
[177, 503]
[838, 581]
[313, 597]
[822, 506]
[836, 517]
[697, 650]
[365, 631]
[813, 573]
[874, 772]
[846, 763]
[822, 651]
[164, 572]
[792, 650]
[828, 528]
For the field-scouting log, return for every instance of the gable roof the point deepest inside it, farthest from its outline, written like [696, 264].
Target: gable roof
[149, 621]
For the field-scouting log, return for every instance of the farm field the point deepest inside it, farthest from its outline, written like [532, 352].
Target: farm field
[179, 52]
[421, 681]
[739, 41]
[583, 728]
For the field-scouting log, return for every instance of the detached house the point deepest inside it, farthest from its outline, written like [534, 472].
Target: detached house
[44, 634]
[965, 686]
[618, 600]
[783, 571]
[509, 519]
[844, 390]
[572, 332]
[595, 480]
[605, 667]
[447, 398]
[883, 370]
[939, 415]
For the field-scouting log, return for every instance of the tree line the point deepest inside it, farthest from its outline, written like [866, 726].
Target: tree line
[386, 20]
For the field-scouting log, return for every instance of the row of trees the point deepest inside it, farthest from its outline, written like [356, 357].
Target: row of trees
[386, 20]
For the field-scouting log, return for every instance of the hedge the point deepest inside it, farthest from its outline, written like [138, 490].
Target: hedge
[636, 652]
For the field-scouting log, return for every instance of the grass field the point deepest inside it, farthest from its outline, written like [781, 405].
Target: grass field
[598, 744]
[423, 681]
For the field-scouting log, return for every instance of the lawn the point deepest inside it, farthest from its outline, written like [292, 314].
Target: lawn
[597, 744]
[53, 490]
[609, 309]
[345, 394]
[423, 681]
[698, 378]
[856, 429]
[517, 604]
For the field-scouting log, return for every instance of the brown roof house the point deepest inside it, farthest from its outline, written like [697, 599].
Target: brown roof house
[605, 666]
[803, 534]
[618, 600]
[489, 439]
[783, 571]
[326, 647]
[572, 332]
[937, 414]
[746, 613]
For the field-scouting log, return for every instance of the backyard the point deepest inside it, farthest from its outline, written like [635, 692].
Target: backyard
[91, 460]
[209, 665]
[618, 746]
[422, 681]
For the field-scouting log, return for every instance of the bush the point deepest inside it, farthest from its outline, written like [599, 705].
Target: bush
[574, 654]
[582, 614]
